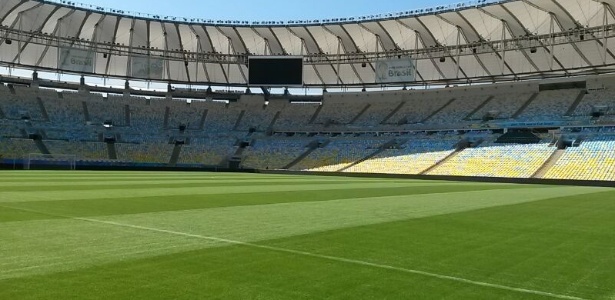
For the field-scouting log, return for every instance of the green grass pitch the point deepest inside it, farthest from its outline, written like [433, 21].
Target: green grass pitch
[149, 235]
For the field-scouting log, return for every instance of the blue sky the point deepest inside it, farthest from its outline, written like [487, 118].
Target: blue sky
[271, 10]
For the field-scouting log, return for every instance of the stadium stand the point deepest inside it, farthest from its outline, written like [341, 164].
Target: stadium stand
[85, 151]
[210, 151]
[182, 112]
[296, 116]
[456, 110]
[418, 107]
[340, 153]
[549, 105]
[340, 110]
[20, 103]
[500, 107]
[596, 101]
[273, 153]
[65, 109]
[221, 116]
[144, 153]
[493, 160]
[415, 156]
[257, 114]
[369, 132]
[594, 159]
[14, 148]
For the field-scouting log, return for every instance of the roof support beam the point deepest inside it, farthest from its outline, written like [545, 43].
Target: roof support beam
[433, 61]
[207, 45]
[117, 26]
[429, 40]
[605, 23]
[201, 61]
[23, 45]
[339, 59]
[521, 48]
[38, 63]
[181, 44]
[307, 51]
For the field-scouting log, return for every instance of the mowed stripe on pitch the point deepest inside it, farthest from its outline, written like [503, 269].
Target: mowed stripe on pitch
[178, 191]
[34, 247]
[135, 205]
[146, 182]
[159, 185]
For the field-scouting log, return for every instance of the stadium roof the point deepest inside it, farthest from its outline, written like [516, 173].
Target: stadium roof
[479, 41]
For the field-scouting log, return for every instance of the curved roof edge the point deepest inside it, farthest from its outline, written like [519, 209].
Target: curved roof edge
[502, 40]
[316, 21]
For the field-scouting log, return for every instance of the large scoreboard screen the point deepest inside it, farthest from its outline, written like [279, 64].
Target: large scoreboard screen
[275, 71]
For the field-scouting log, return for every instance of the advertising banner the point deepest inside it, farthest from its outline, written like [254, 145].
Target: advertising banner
[146, 67]
[76, 60]
[395, 71]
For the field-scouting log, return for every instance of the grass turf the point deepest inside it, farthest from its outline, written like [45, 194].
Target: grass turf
[139, 235]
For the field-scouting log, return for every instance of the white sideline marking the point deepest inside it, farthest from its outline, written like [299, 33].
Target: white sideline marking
[309, 254]
[338, 259]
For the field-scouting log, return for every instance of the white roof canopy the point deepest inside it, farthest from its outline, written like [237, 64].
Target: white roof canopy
[507, 40]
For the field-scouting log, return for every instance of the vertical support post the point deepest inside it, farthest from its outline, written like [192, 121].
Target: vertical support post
[58, 54]
[605, 24]
[377, 47]
[199, 56]
[129, 60]
[416, 40]
[503, 55]
[94, 38]
[339, 58]
[19, 40]
[228, 62]
[458, 52]
[58, 34]
[416, 47]
[551, 40]
[302, 46]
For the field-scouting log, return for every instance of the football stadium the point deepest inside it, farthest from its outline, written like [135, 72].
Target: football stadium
[460, 151]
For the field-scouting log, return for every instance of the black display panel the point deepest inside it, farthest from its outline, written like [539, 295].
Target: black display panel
[275, 71]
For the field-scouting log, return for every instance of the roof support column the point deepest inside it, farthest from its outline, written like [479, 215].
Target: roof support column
[228, 60]
[416, 58]
[129, 71]
[458, 52]
[302, 46]
[605, 24]
[377, 47]
[503, 55]
[198, 60]
[201, 61]
[551, 39]
[339, 58]
[19, 43]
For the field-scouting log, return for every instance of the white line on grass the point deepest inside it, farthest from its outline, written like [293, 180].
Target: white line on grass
[338, 259]
[315, 255]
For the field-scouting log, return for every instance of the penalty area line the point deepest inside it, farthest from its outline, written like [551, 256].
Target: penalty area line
[338, 259]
